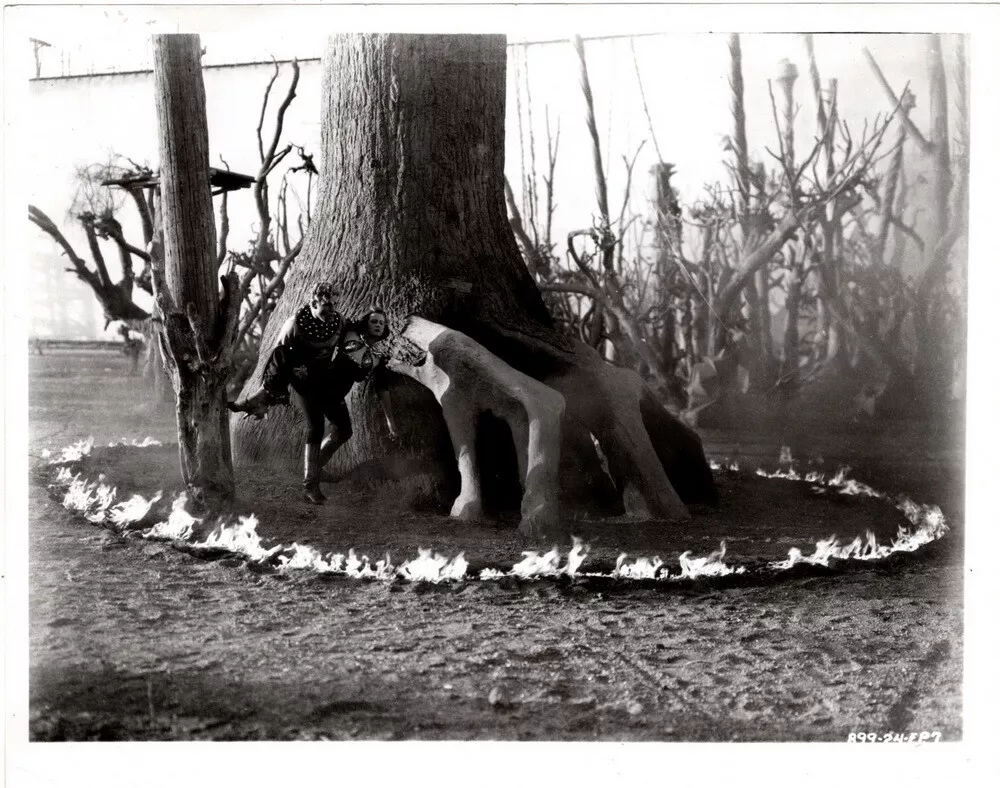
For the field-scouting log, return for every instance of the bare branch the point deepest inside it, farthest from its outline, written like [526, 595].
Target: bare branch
[113, 230]
[46, 225]
[738, 141]
[279, 121]
[821, 119]
[756, 259]
[602, 186]
[283, 212]
[263, 111]
[266, 292]
[911, 128]
[593, 293]
[531, 255]
[584, 268]
[629, 166]
[553, 152]
[642, 95]
[223, 223]
[145, 214]
[87, 221]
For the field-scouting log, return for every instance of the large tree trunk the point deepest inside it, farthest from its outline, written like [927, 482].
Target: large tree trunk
[934, 367]
[411, 216]
[186, 291]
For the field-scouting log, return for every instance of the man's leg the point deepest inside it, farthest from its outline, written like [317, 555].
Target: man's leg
[340, 430]
[312, 409]
[274, 391]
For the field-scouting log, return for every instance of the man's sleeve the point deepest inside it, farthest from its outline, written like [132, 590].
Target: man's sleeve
[288, 335]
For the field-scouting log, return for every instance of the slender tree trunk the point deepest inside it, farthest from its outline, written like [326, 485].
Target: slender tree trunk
[790, 365]
[410, 215]
[702, 316]
[889, 194]
[933, 366]
[187, 293]
[765, 348]
[941, 154]
[830, 278]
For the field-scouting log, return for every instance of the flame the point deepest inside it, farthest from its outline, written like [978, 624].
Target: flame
[534, 565]
[428, 566]
[103, 498]
[91, 499]
[929, 525]
[306, 557]
[73, 453]
[576, 556]
[839, 481]
[791, 474]
[179, 525]
[361, 568]
[147, 441]
[732, 465]
[64, 476]
[854, 487]
[95, 500]
[241, 538]
[641, 568]
[838, 478]
[132, 510]
[78, 496]
[711, 565]
[434, 568]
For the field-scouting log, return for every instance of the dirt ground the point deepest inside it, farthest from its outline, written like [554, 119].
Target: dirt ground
[135, 640]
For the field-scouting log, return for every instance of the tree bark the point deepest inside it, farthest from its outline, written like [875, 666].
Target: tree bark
[410, 215]
[941, 177]
[186, 292]
[790, 363]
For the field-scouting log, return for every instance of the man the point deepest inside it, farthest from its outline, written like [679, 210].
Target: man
[304, 359]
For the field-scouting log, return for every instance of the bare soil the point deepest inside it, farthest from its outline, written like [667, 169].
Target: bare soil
[136, 640]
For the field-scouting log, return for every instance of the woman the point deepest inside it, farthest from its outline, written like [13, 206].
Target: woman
[304, 359]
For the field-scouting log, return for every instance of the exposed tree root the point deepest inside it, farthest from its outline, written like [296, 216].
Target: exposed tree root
[657, 462]
[468, 380]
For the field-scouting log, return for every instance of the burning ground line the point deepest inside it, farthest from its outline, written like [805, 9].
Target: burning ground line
[96, 502]
[928, 522]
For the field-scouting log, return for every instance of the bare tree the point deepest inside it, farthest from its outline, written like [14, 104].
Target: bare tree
[934, 366]
[202, 333]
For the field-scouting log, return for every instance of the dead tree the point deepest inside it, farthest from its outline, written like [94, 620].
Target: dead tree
[946, 223]
[115, 298]
[198, 331]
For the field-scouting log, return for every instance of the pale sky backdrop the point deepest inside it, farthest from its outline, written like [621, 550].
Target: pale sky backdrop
[73, 119]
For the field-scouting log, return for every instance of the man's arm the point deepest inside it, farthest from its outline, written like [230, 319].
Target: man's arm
[288, 334]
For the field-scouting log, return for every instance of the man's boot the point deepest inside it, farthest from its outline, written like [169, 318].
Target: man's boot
[310, 484]
[327, 449]
[256, 405]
